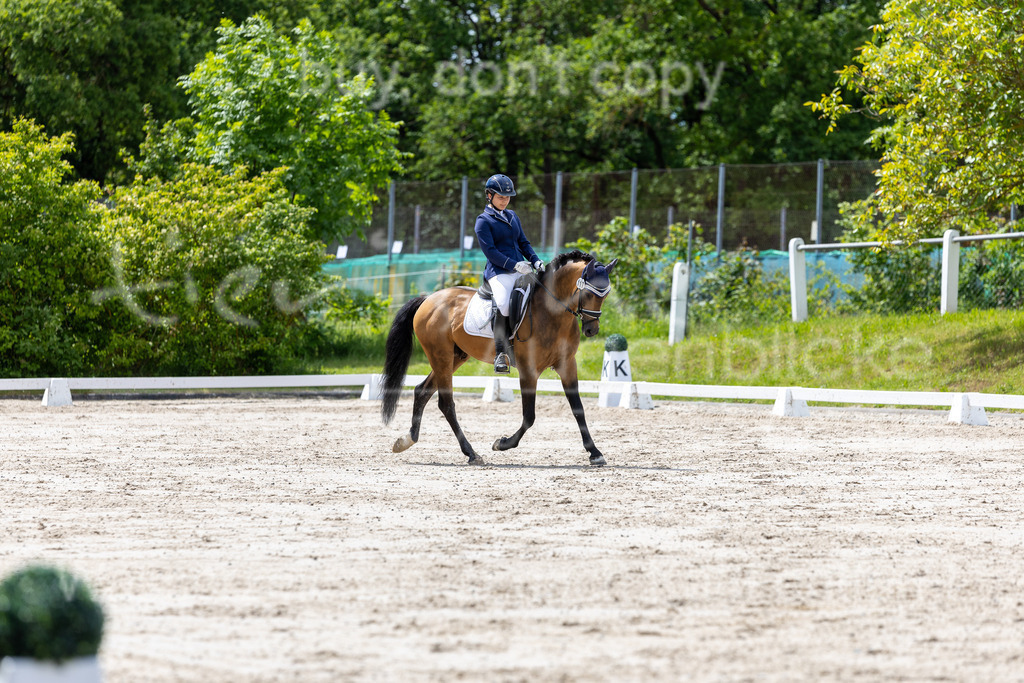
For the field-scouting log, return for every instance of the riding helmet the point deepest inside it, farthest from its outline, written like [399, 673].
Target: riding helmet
[500, 184]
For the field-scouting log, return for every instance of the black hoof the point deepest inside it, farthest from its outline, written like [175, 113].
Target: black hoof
[476, 460]
[598, 461]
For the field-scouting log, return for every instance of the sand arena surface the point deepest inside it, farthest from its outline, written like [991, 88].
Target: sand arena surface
[279, 539]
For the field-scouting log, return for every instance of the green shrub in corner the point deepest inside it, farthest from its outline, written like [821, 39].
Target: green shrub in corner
[214, 271]
[49, 615]
[51, 258]
[897, 278]
[992, 273]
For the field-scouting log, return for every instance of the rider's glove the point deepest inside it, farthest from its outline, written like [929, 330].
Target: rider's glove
[523, 268]
[538, 264]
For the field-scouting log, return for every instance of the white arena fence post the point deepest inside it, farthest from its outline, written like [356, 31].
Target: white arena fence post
[950, 272]
[678, 303]
[634, 399]
[797, 280]
[58, 393]
[787, 406]
[964, 413]
[373, 391]
[494, 392]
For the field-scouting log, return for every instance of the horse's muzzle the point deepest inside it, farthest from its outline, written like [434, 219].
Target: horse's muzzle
[591, 328]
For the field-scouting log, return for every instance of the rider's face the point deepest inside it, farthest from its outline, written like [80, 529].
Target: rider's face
[499, 202]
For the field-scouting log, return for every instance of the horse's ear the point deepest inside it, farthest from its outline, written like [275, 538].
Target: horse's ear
[611, 265]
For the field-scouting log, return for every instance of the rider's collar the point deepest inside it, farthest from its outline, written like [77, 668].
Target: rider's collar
[506, 216]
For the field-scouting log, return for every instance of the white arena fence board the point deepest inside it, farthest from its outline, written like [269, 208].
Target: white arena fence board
[888, 398]
[1004, 401]
[976, 402]
[226, 382]
[34, 384]
[708, 391]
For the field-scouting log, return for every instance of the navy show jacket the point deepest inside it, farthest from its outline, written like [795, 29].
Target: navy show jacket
[503, 241]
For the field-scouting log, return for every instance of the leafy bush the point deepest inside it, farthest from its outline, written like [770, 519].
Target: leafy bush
[738, 290]
[215, 271]
[261, 100]
[51, 258]
[897, 278]
[633, 278]
[992, 275]
[341, 305]
[49, 615]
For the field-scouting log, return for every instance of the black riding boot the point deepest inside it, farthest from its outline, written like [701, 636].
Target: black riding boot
[501, 359]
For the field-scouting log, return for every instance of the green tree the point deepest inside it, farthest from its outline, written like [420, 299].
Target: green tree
[945, 79]
[51, 258]
[529, 86]
[214, 270]
[263, 100]
[89, 67]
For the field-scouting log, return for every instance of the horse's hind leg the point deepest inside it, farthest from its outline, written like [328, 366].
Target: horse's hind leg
[421, 395]
[441, 383]
[446, 402]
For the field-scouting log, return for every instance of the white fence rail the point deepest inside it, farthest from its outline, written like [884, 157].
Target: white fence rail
[965, 408]
[950, 242]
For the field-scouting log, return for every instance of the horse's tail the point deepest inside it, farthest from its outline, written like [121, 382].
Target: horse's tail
[396, 362]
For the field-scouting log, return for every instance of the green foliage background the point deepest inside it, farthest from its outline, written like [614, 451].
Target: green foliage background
[90, 67]
[262, 100]
[215, 271]
[209, 273]
[944, 82]
[52, 257]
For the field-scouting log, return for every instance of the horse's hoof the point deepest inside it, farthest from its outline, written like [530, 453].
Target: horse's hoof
[497, 445]
[402, 444]
[476, 460]
[598, 461]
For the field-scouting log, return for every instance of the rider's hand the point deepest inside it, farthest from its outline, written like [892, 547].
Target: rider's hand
[538, 264]
[523, 268]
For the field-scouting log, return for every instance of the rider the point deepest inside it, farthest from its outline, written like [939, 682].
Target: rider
[508, 253]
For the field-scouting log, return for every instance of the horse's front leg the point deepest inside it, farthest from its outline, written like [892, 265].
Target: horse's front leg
[571, 386]
[528, 390]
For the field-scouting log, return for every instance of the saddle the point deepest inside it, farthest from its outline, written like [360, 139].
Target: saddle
[482, 309]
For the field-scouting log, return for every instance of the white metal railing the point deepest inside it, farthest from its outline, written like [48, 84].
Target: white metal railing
[950, 242]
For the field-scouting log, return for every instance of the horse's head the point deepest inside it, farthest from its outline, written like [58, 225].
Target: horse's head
[592, 287]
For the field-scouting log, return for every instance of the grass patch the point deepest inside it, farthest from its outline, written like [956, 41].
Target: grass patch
[979, 350]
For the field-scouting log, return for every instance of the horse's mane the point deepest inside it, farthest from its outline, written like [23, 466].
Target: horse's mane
[568, 257]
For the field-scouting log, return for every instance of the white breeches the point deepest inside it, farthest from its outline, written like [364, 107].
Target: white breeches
[501, 288]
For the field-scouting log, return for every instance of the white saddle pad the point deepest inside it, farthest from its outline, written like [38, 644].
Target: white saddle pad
[478, 318]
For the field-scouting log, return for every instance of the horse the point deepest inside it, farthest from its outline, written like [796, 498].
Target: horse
[572, 286]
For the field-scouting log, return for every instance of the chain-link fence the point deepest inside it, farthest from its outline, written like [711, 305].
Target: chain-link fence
[759, 206]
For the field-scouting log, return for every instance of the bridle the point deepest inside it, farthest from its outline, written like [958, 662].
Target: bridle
[581, 286]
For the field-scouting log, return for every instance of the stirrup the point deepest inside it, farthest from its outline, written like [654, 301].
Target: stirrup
[501, 363]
